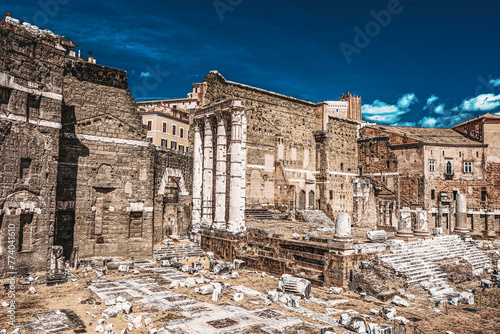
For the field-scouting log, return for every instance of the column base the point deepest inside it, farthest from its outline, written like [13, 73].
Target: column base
[341, 243]
[461, 230]
[406, 236]
[422, 234]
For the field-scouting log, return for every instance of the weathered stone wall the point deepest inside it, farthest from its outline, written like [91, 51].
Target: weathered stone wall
[31, 72]
[342, 165]
[172, 218]
[282, 150]
[114, 179]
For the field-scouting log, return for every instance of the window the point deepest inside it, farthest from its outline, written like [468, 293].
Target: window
[187, 149]
[150, 125]
[196, 90]
[25, 168]
[174, 129]
[468, 167]
[163, 142]
[432, 165]
[341, 166]
[173, 145]
[181, 132]
[433, 194]
[150, 139]
[331, 194]
[164, 128]
[175, 106]
[388, 164]
[181, 148]
[171, 194]
[484, 195]
[449, 168]
[25, 232]
[135, 225]
[455, 195]
[360, 171]
[384, 178]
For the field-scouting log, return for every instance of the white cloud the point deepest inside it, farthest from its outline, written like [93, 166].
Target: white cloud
[439, 109]
[483, 102]
[432, 99]
[407, 99]
[145, 74]
[495, 82]
[382, 112]
[428, 122]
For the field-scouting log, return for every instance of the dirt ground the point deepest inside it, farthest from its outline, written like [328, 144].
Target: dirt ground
[421, 312]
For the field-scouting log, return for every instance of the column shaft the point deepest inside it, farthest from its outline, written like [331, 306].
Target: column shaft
[235, 223]
[208, 170]
[220, 175]
[197, 177]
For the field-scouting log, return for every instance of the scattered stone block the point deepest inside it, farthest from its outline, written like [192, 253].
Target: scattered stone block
[31, 290]
[165, 263]
[357, 324]
[263, 275]
[210, 255]
[216, 294]
[410, 297]
[175, 285]
[238, 264]
[206, 290]
[377, 236]
[110, 302]
[366, 265]
[288, 283]
[296, 236]
[466, 298]
[127, 307]
[343, 319]
[388, 312]
[273, 296]
[235, 275]
[197, 265]
[99, 329]
[402, 319]
[190, 283]
[237, 296]
[400, 301]
[486, 283]
[124, 269]
[109, 329]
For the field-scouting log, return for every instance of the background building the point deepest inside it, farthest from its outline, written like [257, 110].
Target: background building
[167, 121]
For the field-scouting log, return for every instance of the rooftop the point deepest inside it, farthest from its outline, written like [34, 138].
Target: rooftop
[431, 136]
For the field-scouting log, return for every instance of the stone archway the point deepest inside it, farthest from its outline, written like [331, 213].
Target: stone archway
[20, 209]
[174, 173]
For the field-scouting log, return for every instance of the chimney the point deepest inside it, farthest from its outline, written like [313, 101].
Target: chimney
[7, 14]
[91, 59]
[79, 54]
[72, 53]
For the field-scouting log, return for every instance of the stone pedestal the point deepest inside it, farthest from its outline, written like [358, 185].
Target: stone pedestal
[342, 238]
[421, 227]
[404, 226]
[461, 215]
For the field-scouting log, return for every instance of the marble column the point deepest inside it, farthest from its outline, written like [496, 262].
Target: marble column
[387, 213]
[236, 224]
[220, 175]
[197, 177]
[208, 177]
[461, 215]
[343, 227]
[404, 225]
[243, 167]
[421, 226]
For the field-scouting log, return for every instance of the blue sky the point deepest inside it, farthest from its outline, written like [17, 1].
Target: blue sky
[423, 63]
